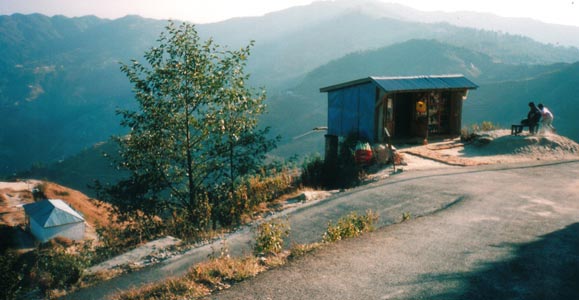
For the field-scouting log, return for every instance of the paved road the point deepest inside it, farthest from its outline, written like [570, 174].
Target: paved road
[465, 220]
[512, 234]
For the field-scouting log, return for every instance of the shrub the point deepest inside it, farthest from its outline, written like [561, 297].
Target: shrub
[51, 268]
[270, 237]
[39, 192]
[250, 191]
[488, 126]
[10, 275]
[57, 269]
[346, 173]
[351, 225]
[468, 133]
[267, 187]
[343, 173]
[313, 172]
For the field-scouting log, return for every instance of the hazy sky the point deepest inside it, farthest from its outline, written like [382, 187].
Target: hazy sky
[205, 11]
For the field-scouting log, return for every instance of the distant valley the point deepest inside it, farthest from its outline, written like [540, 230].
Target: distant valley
[60, 83]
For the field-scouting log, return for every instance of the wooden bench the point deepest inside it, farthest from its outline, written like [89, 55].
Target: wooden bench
[517, 128]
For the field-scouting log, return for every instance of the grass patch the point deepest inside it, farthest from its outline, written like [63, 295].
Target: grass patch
[352, 225]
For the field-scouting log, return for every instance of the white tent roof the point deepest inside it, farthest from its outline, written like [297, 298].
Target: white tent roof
[52, 212]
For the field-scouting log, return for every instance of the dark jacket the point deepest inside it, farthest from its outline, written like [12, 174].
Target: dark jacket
[534, 115]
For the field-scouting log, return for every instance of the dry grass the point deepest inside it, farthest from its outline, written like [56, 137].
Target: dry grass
[298, 250]
[225, 270]
[201, 280]
[95, 212]
[104, 275]
[170, 289]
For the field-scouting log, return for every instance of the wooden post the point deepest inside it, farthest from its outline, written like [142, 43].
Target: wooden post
[425, 141]
[331, 155]
[390, 147]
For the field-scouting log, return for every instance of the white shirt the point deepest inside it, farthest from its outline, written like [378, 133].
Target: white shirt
[547, 114]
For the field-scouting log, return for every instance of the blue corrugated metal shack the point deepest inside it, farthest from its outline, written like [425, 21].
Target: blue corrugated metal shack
[408, 107]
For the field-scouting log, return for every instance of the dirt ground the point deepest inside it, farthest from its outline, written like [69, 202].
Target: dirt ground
[493, 147]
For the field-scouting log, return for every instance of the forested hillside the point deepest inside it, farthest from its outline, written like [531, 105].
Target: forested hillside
[60, 83]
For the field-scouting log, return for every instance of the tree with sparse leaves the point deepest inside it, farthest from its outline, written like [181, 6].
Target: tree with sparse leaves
[195, 131]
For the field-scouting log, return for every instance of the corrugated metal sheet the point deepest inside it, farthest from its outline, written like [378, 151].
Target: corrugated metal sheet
[417, 83]
[411, 83]
[53, 212]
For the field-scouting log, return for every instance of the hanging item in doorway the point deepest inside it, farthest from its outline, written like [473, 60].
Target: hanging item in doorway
[421, 106]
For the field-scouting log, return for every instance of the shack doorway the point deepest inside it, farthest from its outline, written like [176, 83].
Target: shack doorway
[404, 115]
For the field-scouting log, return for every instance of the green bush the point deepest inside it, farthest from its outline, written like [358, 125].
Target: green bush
[349, 226]
[270, 237]
[56, 269]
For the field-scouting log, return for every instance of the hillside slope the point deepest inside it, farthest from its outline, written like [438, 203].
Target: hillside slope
[59, 94]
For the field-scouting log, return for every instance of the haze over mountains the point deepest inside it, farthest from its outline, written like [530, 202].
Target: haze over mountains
[60, 82]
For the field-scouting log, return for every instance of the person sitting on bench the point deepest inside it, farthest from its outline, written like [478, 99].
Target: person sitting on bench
[532, 119]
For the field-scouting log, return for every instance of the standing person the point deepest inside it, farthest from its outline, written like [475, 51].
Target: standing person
[533, 117]
[546, 118]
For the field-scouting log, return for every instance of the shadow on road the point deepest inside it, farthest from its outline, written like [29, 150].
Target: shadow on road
[545, 269]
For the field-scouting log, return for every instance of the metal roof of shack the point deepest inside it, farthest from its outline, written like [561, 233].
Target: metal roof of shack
[410, 83]
[52, 212]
